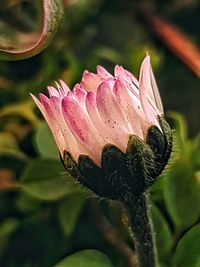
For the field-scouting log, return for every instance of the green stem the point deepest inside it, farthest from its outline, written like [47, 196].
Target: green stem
[140, 220]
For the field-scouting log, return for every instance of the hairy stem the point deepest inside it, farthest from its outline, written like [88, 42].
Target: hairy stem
[140, 220]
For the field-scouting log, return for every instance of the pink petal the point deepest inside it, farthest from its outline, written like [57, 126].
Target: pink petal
[128, 80]
[103, 73]
[79, 93]
[148, 107]
[91, 81]
[71, 144]
[75, 118]
[131, 77]
[49, 117]
[125, 74]
[111, 82]
[55, 104]
[64, 86]
[112, 116]
[156, 92]
[129, 106]
[70, 94]
[44, 100]
[82, 128]
[60, 90]
[53, 91]
[38, 103]
[93, 113]
[146, 75]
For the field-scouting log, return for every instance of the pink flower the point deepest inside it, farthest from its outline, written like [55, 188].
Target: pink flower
[102, 109]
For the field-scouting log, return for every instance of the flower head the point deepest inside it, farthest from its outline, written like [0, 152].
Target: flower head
[103, 110]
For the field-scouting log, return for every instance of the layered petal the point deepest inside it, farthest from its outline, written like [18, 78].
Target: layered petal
[49, 117]
[149, 85]
[65, 88]
[52, 91]
[71, 143]
[128, 107]
[91, 106]
[103, 73]
[156, 92]
[128, 79]
[82, 128]
[146, 95]
[112, 116]
[91, 81]
[79, 94]
[61, 91]
[126, 75]
[102, 109]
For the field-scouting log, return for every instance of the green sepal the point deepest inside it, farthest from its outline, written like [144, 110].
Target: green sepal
[125, 175]
[72, 167]
[120, 176]
[140, 162]
[161, 145]
[168, 135]
[95, 177]
[114, 166]
[116, 178]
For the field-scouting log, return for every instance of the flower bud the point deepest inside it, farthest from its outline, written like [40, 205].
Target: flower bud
[110, 130]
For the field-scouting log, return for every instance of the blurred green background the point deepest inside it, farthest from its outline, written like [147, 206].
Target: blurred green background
[47, 220]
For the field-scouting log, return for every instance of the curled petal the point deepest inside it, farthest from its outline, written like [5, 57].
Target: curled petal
[70, 141]
[79, 94]
[156, 92]
[39, 104]
[52, 91]
[51, 120]
[91, 81]
[103, 73]
[128, 79]
[149, 108]
[62, 90]
[149, 85]
[125, 75]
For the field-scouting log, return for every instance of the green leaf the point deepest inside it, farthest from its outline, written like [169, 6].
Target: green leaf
[27, 204]
[8, 226]
[195, 147]
[163, 234]
[9, 146]
[188, 250]
[45, 143]
[86, 258]
[18, 44]
[156, 189]
[181, 132]
[45, 179]
[181, 195]
[69, 211]
[23, 109]
[108, 53]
